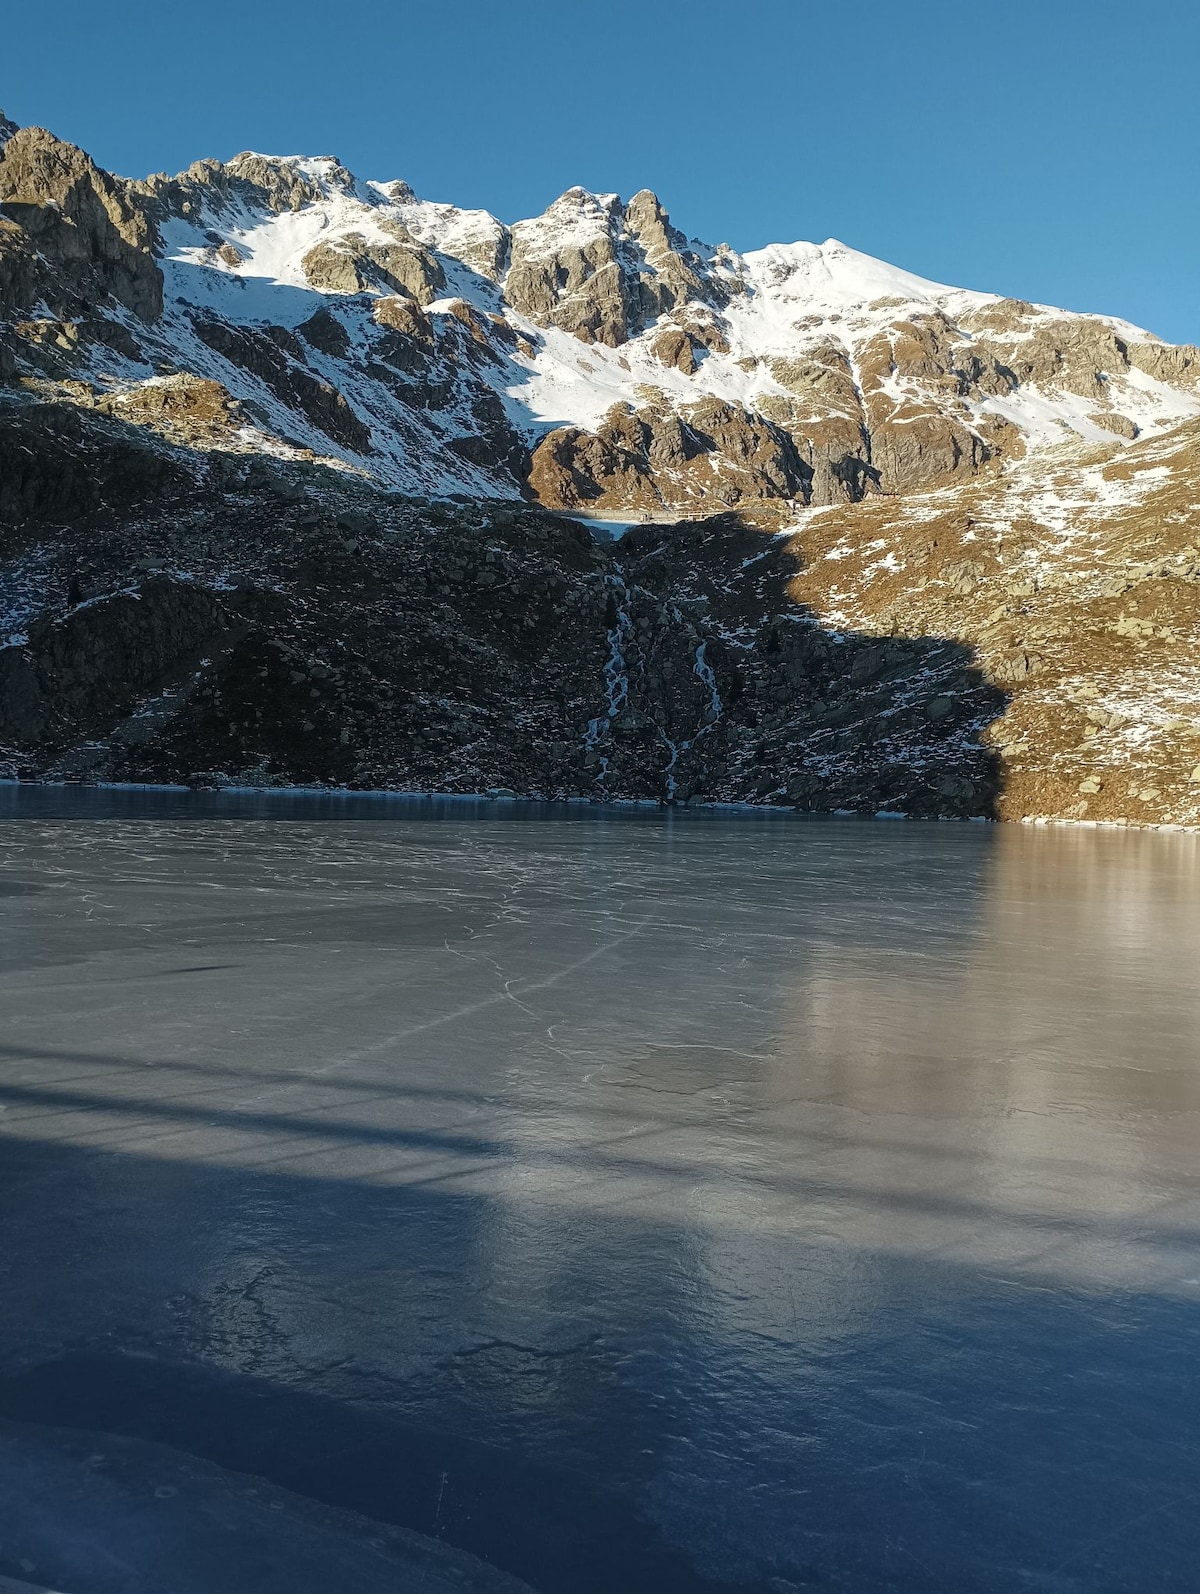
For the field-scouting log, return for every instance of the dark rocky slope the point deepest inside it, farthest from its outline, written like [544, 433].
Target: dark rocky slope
[213, 618]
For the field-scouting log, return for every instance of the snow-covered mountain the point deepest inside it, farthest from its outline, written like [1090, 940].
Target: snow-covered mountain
[277, 447]
[591, 357]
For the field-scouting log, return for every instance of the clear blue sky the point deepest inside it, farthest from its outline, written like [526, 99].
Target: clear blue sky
[1048, 149]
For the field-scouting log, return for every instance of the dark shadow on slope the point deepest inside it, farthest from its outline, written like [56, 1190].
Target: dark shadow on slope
[757, 700]
[248, 622]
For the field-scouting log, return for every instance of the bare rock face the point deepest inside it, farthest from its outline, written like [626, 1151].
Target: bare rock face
[835, 450]
[326, 333]
[353, 264]
[331, 269]
[824, 415]
[674, 347]
[1167, 362]
[91, 232]
[603, 270]
[564, 270]
[914, 377]
[913, 447]
[651, 460]
[407, 340]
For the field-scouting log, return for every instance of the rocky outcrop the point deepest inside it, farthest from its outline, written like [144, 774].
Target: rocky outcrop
[89, 233]
[655, 459]
[603, 270]
[353, 264]
[1073, 354]
[189, 409]
[673, 346]
[323, 331]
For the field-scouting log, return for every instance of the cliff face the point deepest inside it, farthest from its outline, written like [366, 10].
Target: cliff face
[288, 461]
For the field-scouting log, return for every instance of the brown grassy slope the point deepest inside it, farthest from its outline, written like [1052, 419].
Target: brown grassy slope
[1076, 576]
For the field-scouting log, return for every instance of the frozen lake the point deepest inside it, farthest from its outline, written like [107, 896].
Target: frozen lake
[644, 1203]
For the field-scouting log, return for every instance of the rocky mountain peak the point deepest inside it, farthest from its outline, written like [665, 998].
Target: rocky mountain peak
[272, 184]
[605, 270]
[7, 129]
[90, 231]
[650, 224]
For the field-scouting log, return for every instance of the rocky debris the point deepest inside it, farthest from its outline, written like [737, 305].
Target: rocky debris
[89, 232]
[77, 674]
[59, 465]
[190, 409]
[42, 346]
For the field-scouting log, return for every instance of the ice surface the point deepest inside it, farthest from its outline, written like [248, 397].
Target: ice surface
[639, 1202]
